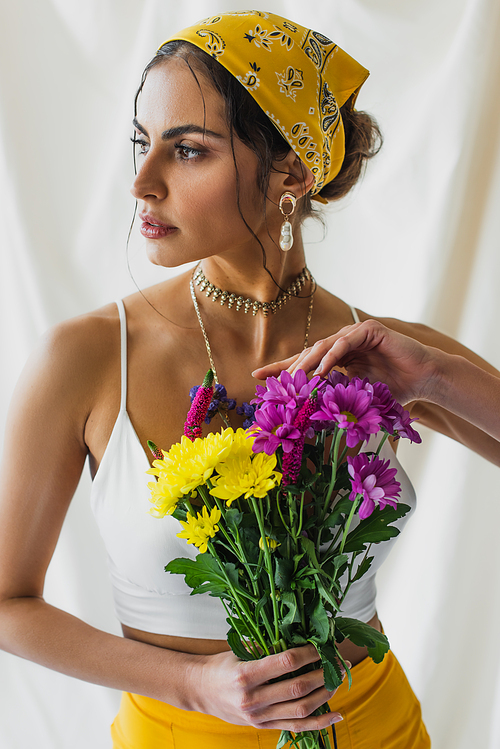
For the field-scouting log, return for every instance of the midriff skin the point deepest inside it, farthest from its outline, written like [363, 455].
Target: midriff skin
[197, 646]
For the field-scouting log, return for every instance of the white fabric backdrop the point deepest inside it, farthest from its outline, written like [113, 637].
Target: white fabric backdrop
[417, 240]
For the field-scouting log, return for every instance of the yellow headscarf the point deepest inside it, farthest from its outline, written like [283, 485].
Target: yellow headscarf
[297, 76]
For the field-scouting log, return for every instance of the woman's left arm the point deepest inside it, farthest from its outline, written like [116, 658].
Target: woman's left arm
[448, 387]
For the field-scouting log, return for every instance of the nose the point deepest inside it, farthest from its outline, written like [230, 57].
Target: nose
[149, 181]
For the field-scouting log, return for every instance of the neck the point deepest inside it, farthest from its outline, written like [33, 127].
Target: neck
[244, 274]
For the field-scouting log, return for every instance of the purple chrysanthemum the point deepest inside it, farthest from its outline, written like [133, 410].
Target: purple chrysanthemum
[334, 378]
[288, 390]
[401, 424]
[374, 480]
[248, 410]
[274, 427]
[292, 460]
[381, 399]
[351, 409]
[199, 407]
[393, 417]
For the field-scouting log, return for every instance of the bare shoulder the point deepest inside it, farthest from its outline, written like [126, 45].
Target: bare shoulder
[431, 337]
[70, 362]
[331, 310]
[81, 347]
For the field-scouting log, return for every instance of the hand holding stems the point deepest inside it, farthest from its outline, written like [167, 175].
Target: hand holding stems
[241, 692]
[412, 371]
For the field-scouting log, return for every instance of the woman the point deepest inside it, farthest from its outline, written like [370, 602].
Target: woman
[209, 192]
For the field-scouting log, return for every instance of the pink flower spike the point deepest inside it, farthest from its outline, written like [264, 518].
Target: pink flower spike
[155, 450]
[199, 407]
[292, 461]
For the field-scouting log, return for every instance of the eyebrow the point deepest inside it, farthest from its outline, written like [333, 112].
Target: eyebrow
[175, 132]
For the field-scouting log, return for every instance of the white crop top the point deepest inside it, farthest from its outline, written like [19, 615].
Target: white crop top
[139, 545]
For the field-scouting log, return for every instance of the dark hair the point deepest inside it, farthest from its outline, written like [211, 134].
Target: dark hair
[363, 139]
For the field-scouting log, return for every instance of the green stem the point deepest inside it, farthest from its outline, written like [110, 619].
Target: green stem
[289, 532]
[240, 603]
[336, 444]
[349, 582]
[269, 566]
[299, 531]
[349, 521]
[189, 506]
[379, 448]
[234, 547]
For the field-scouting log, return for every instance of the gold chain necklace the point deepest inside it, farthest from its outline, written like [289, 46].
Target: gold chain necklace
[287, 292]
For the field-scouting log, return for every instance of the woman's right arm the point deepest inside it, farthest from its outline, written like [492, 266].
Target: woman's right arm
[43, 459]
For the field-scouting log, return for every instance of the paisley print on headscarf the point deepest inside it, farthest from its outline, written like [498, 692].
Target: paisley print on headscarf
[299, 77]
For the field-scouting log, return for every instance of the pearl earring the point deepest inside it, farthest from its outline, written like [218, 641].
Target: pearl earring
[286, 235]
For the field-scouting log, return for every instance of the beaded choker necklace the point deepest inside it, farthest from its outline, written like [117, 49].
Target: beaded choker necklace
[287, 294]
[294, 289]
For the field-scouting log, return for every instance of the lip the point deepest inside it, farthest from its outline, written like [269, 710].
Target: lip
[153, 228]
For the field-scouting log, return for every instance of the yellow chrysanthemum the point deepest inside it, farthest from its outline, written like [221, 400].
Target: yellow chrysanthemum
[245, 476]
[197, 530]
[184, 467]
[164, 496]
[242, 443]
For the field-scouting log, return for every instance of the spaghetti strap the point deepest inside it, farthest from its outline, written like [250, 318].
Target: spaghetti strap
[123, 353]
[354, 314]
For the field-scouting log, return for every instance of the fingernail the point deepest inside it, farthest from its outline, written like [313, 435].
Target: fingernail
[337, 717]
[319, 368]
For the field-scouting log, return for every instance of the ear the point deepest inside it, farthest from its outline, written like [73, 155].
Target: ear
[290, 174]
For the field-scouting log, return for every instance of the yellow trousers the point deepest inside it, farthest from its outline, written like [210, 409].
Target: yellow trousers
[380, 712]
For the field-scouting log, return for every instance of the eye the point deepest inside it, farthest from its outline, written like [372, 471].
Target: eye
[143, 146]
[186, 153]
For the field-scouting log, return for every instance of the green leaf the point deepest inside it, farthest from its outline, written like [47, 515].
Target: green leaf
[233, 519]
[310, 550]
[305, 583]
[237, 646]
[342, 507]
[331, 668]
[327, 595]
[363, 568]
[241, 627]
[179, 513]
[375, 528]
[320, 621]
[203, 574]
[284, 739]
[260, 605]
[365, 636]
[339, 560]
[289, 600]
[283, 574]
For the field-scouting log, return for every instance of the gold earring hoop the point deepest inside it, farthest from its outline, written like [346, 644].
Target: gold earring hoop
[286, 234]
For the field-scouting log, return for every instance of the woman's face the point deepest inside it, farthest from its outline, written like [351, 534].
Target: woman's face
[186, 181]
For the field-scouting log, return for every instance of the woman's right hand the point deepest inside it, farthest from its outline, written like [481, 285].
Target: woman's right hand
[240, 692]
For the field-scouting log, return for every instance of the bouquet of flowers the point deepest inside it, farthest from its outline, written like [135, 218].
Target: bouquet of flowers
[284, 517]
